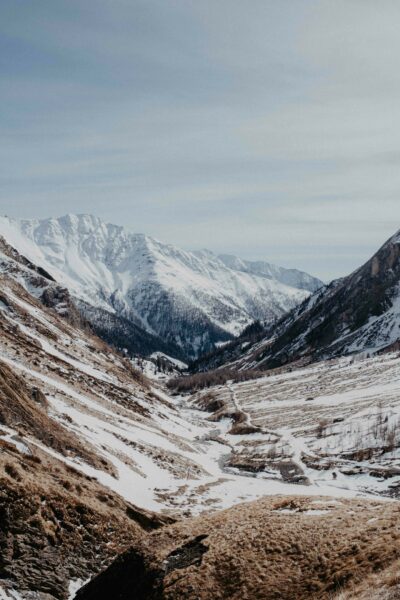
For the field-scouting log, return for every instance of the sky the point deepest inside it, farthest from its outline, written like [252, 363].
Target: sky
[266, 129]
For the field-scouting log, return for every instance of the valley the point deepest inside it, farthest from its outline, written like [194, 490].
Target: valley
[199, 300]
[98, 454]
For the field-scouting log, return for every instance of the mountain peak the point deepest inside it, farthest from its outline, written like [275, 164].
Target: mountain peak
[357, 313]
[192, 300]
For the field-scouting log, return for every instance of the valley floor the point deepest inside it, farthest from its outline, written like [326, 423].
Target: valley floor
[333, 429]
[81, 430]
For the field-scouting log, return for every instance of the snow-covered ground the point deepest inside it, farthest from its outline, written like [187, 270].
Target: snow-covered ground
[159, 366]
[328, 429]
[337, 422]
[9, 594]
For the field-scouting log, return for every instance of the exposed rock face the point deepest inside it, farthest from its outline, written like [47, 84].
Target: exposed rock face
[134, 575]
[59, 298]
[277, 548]
[58, 525]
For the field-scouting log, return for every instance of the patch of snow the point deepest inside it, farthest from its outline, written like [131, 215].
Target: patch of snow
[9, 593]
[12, 437]
[178, 363]
[74, 586]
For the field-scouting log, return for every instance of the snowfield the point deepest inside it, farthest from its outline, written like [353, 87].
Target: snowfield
[337, 423]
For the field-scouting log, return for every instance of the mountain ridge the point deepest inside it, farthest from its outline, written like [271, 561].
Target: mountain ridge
[190, 300]
[291, 277]
[356, 313]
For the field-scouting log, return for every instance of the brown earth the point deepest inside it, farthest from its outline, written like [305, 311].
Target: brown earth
[274, 548]
[24, 409]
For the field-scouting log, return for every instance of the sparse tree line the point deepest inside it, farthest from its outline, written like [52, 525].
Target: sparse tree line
[199, 381]
[251, 334]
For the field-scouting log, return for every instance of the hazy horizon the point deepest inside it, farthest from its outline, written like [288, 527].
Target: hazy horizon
[267, 130]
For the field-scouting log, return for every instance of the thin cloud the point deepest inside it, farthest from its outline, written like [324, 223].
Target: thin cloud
[267, 129]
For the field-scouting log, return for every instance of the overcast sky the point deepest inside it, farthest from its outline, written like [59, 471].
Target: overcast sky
[269, 129]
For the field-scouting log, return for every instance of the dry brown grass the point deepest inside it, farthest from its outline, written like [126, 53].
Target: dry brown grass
[58, 524]
[271, 549]
[20, 411]
[384, 585]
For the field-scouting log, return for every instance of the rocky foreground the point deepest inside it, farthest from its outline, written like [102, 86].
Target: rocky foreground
[282, 548]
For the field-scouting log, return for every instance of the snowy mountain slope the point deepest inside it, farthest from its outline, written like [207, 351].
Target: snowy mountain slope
[191, 300]
[113, 329]
[360, 312]
[292, 277]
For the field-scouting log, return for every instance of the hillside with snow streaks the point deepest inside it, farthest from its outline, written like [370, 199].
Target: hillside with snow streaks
[357, 313]
[188, 300]
[158, 452]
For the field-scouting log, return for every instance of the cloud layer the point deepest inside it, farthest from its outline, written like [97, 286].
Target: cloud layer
[267, 129]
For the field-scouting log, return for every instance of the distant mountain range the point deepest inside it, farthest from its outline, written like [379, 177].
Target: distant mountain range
[357, 313]
[146, 296]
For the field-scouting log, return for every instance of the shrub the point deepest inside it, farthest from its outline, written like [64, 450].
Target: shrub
[321, 428]
[199, 381]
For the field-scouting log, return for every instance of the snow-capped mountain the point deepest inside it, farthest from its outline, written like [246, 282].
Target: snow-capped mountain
[189, 300]
[360, 312]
